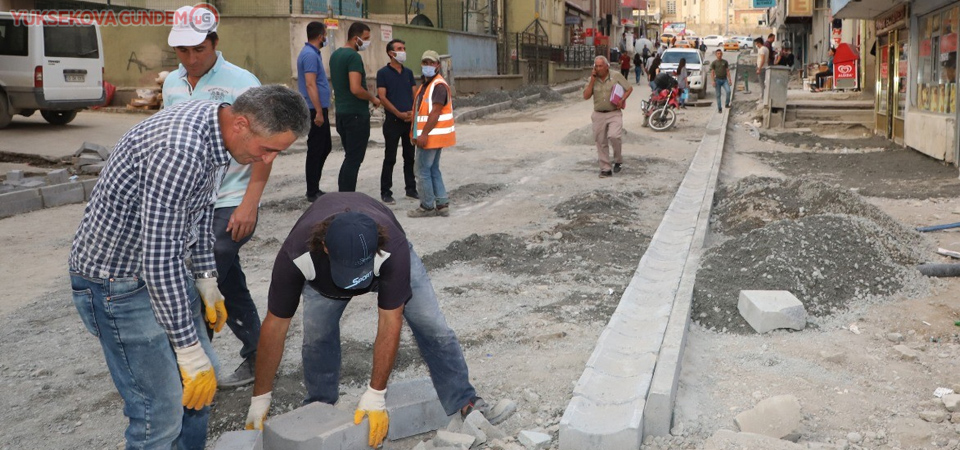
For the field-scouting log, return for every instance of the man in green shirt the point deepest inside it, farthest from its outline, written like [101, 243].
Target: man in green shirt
[607, 113]
[349, 80]
[721, 78]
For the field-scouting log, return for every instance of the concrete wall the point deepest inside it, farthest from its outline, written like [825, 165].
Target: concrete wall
[472, 54]
[931, 134]
[560, 75]
[473, 85]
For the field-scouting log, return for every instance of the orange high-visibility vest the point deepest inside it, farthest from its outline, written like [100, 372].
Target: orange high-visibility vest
[443, 134]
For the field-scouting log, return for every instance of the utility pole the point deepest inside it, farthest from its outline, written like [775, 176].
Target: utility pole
[726, 18]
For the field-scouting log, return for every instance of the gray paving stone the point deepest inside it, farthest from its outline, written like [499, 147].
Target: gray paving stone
[450, 439]
[88, 187]
[240, 440]
[611, 390]
[18, 202]
[534, 439]
[414, 408]
[58, 176]
[588, 425]
[61, 194]
[476, 420]
[317, 426]
[641, 365]
[14, 177]
[771, 310]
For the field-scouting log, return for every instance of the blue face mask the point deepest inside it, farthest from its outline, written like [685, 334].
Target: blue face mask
[428, 71]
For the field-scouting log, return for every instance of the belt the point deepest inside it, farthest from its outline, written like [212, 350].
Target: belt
[597, 110]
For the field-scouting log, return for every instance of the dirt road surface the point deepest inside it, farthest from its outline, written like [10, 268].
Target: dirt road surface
[528, 268]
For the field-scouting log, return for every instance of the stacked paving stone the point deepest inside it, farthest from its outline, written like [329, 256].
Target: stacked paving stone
[629, 385]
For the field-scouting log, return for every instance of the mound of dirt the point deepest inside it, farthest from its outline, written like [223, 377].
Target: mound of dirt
[754, 202]
[473, 192]
[825, 260]
[608, 204]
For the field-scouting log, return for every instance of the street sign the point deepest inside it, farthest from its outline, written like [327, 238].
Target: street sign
[386, 33]
[764, 4]
[331, 24]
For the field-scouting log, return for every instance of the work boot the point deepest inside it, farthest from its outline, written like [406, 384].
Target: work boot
[497, 414]
[617, 167]
[242, 376]
[422, 212]
[443, 210]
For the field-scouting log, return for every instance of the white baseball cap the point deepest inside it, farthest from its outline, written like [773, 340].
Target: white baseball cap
[191, 24]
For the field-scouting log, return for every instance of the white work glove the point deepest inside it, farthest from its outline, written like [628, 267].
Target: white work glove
[259, 406]
[199, 380]
[215, 312]
[373, 405]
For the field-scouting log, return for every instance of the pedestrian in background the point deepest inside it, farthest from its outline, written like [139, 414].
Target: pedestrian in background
[653, 67]
[433, 131]
[637, 65]
[720, 69]
[205, 75]
[351, 97]
[315, 89]
[607, 117]
[395, 85]
[681, 74]
[151, 209]
[763, 59]
[624, 65]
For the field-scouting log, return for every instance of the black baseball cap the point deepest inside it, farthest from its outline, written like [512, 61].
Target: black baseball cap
[351, 242]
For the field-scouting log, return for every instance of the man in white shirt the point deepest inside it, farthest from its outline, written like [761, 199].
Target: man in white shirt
[763, 58]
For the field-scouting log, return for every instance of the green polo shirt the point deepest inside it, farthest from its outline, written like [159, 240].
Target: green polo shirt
[342, 62]
[602, 89]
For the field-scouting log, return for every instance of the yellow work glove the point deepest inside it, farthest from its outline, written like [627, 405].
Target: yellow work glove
[259, 405]
[199, 381]
[373, 405]
[215, 312]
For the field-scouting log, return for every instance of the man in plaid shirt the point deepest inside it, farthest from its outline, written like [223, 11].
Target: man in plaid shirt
[150, 212]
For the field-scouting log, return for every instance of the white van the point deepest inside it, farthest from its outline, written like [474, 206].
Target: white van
[47, 66]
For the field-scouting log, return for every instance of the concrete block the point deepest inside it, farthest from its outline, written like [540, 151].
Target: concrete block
[14, 177]
[476, 420]
[58, 176]
[17, 202]
[317, 426]
[85, 160]
[93, 149]
[414, 408]
[587, 424]
[449, 439]
[61, 194]
[88, 187]
[534, 439]
[770, 310]
[240, 440]
[93, 169]
[31, 183]
[776, 417]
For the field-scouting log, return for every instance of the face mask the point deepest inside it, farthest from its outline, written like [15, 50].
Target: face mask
[363, 45]
[401, 57]
[428, 71]
[323, 43]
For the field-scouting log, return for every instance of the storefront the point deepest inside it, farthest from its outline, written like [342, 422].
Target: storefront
[931, 125]
[891, 74]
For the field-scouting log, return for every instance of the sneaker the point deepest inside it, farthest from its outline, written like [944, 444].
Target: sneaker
[617, 167]
[242, 376]
[443, 210]
[388, 200]
[413, 195]
[728, 106]
[495, 415]
[605, 174]
[422, 212]
[719, 110]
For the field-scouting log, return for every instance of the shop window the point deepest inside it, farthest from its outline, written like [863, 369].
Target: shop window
[937, 62]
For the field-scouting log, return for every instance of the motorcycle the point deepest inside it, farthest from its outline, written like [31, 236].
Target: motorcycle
[659, 112]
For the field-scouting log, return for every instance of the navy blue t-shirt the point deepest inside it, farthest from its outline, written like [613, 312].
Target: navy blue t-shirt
[399, 86]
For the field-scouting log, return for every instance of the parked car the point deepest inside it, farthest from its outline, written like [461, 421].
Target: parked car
[49, 67]
[745, 42]
[684, 44]
[731, 45]
[671, 58]
[713, 40]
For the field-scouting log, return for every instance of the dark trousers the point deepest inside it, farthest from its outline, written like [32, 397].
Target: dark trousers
[354, 131]
[242, 316]
[394, 131]
[822, 76]
[625, 72]
[318, 148]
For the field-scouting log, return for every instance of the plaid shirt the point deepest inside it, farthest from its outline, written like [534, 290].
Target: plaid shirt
[155, 194]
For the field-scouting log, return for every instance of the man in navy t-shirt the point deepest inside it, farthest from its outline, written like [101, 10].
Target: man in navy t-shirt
[395, 85]
[348, 244]
[315, 89]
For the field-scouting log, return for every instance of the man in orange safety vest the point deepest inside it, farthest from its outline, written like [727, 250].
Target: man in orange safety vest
[433, 130]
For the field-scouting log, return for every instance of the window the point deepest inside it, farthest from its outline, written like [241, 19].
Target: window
[78, 41]
[937, 62]
[13, 39]
[671, 6]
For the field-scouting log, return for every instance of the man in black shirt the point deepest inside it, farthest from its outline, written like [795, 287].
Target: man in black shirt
[395, 85]
[347, 244]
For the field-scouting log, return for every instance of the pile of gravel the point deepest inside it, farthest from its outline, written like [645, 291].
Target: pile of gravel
[825, 245]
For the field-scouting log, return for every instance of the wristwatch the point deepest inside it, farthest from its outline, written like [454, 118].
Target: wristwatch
[205, 274]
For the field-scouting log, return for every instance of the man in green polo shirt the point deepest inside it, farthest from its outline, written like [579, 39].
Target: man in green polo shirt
[721, 78]
[607, 113]
[349, 80]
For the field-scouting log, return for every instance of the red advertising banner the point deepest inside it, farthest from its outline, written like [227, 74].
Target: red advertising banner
[948, 43]
[925, 47]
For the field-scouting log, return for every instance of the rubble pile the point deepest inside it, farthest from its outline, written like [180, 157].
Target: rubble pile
[825, 245]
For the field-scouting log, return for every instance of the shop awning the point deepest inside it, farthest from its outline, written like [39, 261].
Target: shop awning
[862, 9]
[575, 7]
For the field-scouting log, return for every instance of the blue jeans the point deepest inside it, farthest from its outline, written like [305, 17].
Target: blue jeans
[142, 362]
[437, 343]
[638, 70]
[722, 83]
[242, 316]
[432, 191]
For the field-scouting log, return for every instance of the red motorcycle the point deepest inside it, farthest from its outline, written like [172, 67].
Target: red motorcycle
[659, 112]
